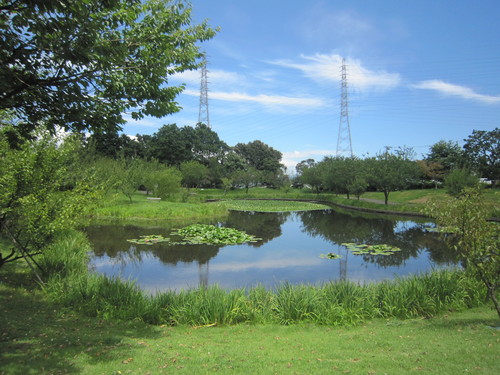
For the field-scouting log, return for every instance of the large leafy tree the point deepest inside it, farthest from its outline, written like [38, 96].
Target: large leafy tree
[446, 153]
[392, 170]
[340, 172]
[80, 64]
[170, 145]
[482, 151]
[260, 156]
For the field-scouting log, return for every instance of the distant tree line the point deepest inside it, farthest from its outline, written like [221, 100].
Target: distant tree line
[196, 155]
[446, 164]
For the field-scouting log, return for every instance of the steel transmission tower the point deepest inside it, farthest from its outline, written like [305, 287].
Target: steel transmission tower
[203, 116]
[344, 143]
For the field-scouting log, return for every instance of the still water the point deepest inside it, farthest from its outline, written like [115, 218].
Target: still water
[289, 250]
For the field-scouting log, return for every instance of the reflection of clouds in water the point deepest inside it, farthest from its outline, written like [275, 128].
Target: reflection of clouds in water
[265, 264]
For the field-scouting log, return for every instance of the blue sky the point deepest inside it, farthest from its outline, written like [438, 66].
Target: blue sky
[417, 72]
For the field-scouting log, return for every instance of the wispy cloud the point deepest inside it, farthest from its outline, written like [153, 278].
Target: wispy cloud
[270, 101]
[292, 158]
[321, 68]
[216, 77]
[456, 90]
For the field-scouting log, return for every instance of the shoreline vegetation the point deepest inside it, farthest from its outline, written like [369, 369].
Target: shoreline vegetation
[141, 209]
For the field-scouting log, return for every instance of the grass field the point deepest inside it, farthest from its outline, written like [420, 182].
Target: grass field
[39, 337]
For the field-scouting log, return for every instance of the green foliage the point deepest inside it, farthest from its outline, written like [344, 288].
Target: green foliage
[82, 64]
[165, 182]
[342, 175]
[447, 154]
[35, 200]
[391, 171]
[358, 186]
[260, 156]
[476, 240]
[482, 152]
[458, 180]
[193, 173]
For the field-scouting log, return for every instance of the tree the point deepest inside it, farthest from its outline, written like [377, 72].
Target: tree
[390, 171]
[482, 152]
[313, 176]
[447, 153]
[35, 200]
[260, 156]
[193, 173]
[246, 177]
[308, 163]
[340, 172]
[476, 241]
[206, 144]
[165, 182]
[80, 65]
[431, 170]
[358, 186]
[170, 145]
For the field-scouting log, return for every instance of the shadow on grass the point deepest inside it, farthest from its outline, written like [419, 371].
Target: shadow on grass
[37, 337]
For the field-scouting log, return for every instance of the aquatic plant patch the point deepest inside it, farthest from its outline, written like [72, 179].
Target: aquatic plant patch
[330, 256]
[149, 240]
[272, 205]
[197, 234]
[365, 249]
[211, 234]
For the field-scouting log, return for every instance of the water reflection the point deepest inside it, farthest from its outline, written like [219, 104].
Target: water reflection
[289, 250]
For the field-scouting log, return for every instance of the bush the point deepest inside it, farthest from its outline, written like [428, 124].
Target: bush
[458, 180]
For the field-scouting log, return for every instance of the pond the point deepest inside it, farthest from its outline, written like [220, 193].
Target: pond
[289, 250]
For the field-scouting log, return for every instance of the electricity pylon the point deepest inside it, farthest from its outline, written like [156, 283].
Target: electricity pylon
[344, 142]
[203, 116]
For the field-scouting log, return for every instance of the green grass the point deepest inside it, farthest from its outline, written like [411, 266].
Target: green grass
[117, 206]
[39, 337]
[141, 210]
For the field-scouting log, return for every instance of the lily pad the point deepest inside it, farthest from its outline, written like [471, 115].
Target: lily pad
[331, 256]
[149, 240]
[366, 249]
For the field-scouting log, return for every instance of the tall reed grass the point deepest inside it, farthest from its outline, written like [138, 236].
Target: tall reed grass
[333, 303]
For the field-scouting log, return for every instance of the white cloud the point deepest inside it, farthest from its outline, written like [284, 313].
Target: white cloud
[271, 101]
[321, 68]
[215, 77]
[292, 158]
[265, 264]
[147, 122]
[456, 90]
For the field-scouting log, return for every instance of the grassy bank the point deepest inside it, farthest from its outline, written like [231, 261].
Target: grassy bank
[141, 209]
[40, 337]
[399, 201]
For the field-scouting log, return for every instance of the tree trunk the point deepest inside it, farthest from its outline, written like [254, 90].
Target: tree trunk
[386, 196]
